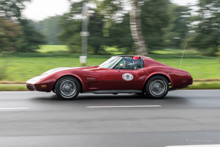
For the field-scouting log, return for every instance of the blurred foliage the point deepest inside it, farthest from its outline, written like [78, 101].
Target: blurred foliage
[50, 29]
[155, 19]
[178, 28]
[71, 28]
[12, 9]
[70, 34]
[17, 34]
[120, 37]
[19, 37]
[30, 38]
[9, 34]
[163, 24]
[206, 33]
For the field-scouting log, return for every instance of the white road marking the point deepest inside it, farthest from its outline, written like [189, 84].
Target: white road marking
[132, 106]
[19, 92]
[213, 145]
[15, 108]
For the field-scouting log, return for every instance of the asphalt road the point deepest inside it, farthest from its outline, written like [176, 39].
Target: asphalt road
[184, 117]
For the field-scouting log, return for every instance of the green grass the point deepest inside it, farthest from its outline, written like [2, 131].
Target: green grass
[113, 50]
[198, 68]
[175, 51]
[13, 88]
[64, 49]
[205, 85]
[53, 48]
[24, 68]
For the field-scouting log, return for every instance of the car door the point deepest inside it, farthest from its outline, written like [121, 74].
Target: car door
[124, 79]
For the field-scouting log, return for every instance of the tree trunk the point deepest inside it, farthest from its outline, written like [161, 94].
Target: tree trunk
[135, 25]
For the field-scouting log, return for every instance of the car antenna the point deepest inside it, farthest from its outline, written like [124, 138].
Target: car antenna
[183, 55]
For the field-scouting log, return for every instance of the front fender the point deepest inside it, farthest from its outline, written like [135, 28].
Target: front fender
[73, 75]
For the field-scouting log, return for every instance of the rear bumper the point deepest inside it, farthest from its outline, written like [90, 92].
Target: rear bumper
[181, 83]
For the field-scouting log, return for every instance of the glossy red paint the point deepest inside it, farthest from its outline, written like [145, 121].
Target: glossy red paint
[95, 78]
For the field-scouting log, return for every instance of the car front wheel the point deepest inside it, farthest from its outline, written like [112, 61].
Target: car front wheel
[157, 87]
[67, 88]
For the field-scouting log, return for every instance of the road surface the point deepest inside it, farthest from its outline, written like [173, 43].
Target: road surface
[184, 117]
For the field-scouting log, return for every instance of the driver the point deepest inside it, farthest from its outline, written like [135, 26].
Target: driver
[137, 62]
[127, 62]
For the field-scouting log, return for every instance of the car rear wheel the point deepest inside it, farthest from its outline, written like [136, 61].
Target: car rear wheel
[157, 87]
[67, 88]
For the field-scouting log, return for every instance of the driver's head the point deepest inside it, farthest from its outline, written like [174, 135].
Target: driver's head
[136, 60]
[127, 60]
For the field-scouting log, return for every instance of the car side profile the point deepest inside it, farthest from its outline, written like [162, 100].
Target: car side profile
[119, 74]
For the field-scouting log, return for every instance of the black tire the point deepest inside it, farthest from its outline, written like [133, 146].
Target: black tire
[67, 88]
[157, 87]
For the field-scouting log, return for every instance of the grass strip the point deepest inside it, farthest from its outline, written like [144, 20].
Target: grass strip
[205, 85]
[10, 87]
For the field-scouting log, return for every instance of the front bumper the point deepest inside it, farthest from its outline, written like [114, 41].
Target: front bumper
[45, 87]
[30, 87]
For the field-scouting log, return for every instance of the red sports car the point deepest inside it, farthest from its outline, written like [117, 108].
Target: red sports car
[119, 74]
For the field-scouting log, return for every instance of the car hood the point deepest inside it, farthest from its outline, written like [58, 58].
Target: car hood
[49, 72]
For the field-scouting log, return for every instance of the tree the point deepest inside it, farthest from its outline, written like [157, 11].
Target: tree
[71, 28]
[179, 25]
[206, 34]
[31, 38]
[96, 40]
[11, 9]
[143, 13]
[50, 28]
[120, 36]
[71, 25]
[155, 18]
[9, 34]
[108, 30]
[136, 30]
[109, 8]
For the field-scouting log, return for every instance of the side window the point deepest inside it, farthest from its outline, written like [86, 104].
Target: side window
[138, 63]
[127, 63]
[120, 65]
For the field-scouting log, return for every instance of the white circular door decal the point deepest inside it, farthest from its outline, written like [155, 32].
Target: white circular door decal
[127, 77]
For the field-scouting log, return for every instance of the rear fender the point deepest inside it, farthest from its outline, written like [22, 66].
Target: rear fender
[158, 73]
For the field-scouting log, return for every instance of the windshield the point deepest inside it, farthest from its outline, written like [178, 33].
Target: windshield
[110, 62]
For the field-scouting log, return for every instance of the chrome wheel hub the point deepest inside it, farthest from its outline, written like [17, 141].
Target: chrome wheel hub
[67, 88]
[157, 87]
